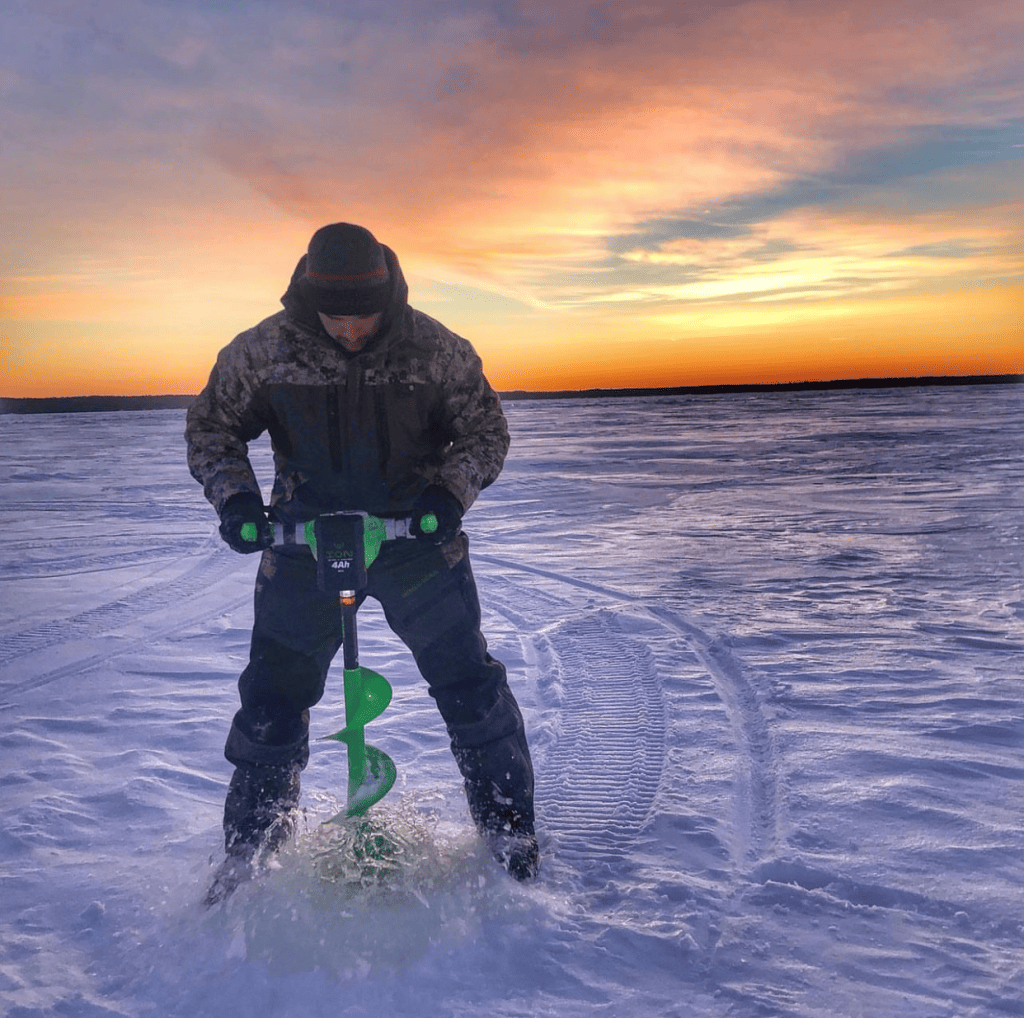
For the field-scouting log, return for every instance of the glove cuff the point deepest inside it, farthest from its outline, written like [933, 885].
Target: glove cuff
[246, 502]
[439, 497]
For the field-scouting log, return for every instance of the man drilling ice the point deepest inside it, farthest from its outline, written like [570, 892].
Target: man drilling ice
[371, 406]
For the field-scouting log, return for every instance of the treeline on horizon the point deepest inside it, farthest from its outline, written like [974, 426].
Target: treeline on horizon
[99, 404]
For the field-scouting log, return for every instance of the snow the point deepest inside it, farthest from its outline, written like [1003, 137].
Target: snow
[769, 648]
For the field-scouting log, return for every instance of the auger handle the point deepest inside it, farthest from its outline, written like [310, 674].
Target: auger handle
[394, 529]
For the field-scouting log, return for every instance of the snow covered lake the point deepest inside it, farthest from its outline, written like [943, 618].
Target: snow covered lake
[769, 648]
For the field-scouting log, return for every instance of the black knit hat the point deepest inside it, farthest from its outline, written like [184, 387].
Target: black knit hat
[346, 272]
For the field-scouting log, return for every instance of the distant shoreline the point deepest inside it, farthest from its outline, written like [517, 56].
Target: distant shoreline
[104, 404]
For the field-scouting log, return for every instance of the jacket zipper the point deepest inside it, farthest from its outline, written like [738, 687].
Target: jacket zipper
[380, 413]
[334, 426]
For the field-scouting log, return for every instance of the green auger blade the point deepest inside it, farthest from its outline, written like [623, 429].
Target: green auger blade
[367, 695]
[378, 777]
[371, 772]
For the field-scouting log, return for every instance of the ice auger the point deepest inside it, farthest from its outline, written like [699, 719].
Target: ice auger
[344, 545]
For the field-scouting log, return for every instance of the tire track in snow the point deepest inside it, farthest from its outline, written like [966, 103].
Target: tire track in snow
[758, 803]
[88, 522]
[115, 614]
[575, 644]
[77, 565]
[79, 662]
[74, 641]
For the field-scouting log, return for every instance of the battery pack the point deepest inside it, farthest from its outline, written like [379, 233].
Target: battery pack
[340, 552]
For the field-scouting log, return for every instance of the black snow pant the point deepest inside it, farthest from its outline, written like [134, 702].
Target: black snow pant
[432, 605]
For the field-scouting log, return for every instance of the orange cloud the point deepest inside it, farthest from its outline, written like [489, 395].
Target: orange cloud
[517, 157]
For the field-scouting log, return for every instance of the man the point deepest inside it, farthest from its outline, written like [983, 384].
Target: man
[374, 406]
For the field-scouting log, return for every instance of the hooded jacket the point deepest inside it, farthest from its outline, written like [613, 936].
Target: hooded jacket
[365, 431]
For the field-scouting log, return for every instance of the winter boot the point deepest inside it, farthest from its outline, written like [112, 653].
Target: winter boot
[499, 789]
[258, 820]
[258, 808]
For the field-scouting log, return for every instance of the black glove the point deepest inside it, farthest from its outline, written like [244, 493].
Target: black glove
[240, 510]
[436, 515]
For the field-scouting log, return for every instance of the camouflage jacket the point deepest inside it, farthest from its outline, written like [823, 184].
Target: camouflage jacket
[349, 431]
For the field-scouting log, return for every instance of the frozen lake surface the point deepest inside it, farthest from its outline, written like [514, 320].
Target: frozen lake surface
[769, 648]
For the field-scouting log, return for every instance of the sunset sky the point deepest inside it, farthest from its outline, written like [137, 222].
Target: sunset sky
[595, 194]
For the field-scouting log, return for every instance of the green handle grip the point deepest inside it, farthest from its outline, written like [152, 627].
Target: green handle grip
[375, 534]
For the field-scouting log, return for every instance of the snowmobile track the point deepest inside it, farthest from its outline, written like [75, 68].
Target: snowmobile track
[612, 735]
[613, 727]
